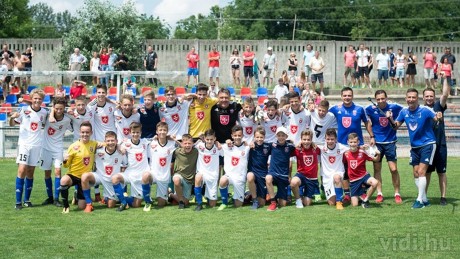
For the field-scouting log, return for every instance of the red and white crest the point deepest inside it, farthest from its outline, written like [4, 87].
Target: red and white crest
[86, 160]
[27, 112]
[235, 161]
[162, 161]
[51, 131]
[126, 131]
[273, 128]
[346, 122]
[34, 126]
[248, 130]
[308, 160]
[139, 157]
[331, 159]
[207, 159]
[353, 164]
[108, 170]
[100, 154]
[175, 117]
[294, 129]
[383, 121]
[224, 119]
[200, 115]
[105, 119]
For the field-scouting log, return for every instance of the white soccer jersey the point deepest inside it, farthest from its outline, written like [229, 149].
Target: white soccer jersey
[122, 124]
[137, 156]
[31, 126]
[270, 126]
[249, 125]
[103, 120]
[295, 123]
[177, 118]
[78, 119]
[320, 125]
[236, 161]
[208, 160]
[54, 134]
[332, 160]
[108, 165]
[160, 159]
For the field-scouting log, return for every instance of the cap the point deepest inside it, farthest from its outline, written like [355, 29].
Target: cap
[281, 129]
[269, 48]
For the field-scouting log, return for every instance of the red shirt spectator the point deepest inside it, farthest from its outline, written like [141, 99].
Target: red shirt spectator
[77, 89]
[193, 59]
[213, 63]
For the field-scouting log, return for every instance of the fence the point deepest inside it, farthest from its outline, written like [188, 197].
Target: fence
[171, 54]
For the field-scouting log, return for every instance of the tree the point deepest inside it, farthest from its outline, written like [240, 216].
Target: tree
[100, 23]
[198, 26]
[15, 19]
[43, 21]
[154, 28]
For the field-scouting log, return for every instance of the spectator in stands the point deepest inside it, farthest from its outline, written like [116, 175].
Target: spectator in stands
[76, 89]
[446, 71]
[292, 63]
[111, 64]
[428, 67]
[349, 58]
[104, 63]
[6, 50]
[7, 64]
[213, 57]
[307, 55]
[270, 66]
[400, 62]
[151, 63]
[411, 70]
[213, 90]
[362, 57]
[450, 57]
[28, 65]
[59, 91]
[235, 63]
[256, 71]
[94, 66]
[122, 61]
[317, 67]
[19, 64]
[192, 68]
[76, 60]
[248, 60]
[383, 65]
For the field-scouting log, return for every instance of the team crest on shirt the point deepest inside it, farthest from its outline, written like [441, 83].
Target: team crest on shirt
[51, 131]
[108, 170]
[126, 131]
[331, 159]
[346, 122]
[27, 113]
[175, 117]
[86, 161]
[383, 121]
[413, 126]
[248, 130]
[206, 159]
[265, 150]
[162, 161]
[76, 147]
[100, 155]
[33, 126]
[105, 119]
[235, 161]
[308, 160]
[294, 129]
[200, 115]
[224, 119]
[286, 149]
[354, 112]
[353, 164]
[139, 157]
[273, 128]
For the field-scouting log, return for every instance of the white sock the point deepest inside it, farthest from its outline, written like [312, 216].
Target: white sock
[397, 194]
[421, 188]
[379, 193]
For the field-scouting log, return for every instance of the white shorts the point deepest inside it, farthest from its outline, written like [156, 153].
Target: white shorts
[428, 73]
[162, 189]
[211, 186]
[108, 186]
[135, 180]
[268, 73]
[238, 188]
[186, 187]
[213, 72]
[328, 184]
[47, 157]
[28, 155]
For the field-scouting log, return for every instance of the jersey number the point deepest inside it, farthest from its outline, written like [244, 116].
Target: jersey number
[22, 157]
[318, 130]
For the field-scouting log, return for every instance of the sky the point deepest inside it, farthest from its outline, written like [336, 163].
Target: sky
[170, 11]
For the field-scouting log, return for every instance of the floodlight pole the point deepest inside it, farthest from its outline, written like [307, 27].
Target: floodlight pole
[293, 30]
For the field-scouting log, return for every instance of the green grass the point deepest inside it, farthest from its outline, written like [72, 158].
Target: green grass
[319, 231]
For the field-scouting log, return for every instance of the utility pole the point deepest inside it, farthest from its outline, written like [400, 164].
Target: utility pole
[293, 30]
[219, 23]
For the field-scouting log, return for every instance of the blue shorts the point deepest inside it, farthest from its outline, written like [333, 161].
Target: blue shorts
[360, 186]
[440, 160]
[400, 73]
[192, 71]
[311, 186]
[392, 72]
[317, 77]
[424, 154]
[388, 150]
[382, 74]
[282, 182]
[261, 186]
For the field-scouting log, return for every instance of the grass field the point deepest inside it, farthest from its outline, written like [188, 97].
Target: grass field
[320, 231]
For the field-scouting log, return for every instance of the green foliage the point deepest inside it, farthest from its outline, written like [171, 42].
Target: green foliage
[47, 24]
[153, 27]
[199, 26]
[99, 24]
[15, 20]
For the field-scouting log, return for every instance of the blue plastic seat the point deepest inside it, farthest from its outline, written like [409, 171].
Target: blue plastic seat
[161, 91]
[231, 90]
[11, 98]
[262, 91]
[47, 99]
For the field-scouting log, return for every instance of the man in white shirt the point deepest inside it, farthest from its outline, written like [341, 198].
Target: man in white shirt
[383, 65]
[362, 57]
[307, 55]
[76, 60]
[270, 66]
[317, 66]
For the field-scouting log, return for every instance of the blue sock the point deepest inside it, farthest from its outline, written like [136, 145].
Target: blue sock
[198, 195]
[224, 195]
[57, 183]
[146, 193]
[338, 193]
[129, 201]
[289, 192]
[29, 185]
[87, 194]
[49, 187]
[119, 192]
[301, 191]
[19, 189]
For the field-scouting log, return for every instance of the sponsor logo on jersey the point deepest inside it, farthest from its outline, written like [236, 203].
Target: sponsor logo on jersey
[308, 160]
[200, 115]
[105, 119]
[248, 130]
[162, 161]
[214, 150]
[383, 121]
[86, 161]
[273, 128]
[108, 170]
[353, 164]
[331, 159]
[175, 117]
[294, 129]
[224, 119]
[354, 112]
[138, 157]
[206, 159]
[100, 154]
[413, 126]
[346, 122]
[116, 160]
[34, 126]
[51, 131]
[235, 161]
